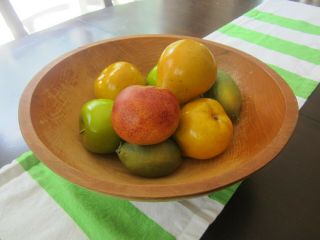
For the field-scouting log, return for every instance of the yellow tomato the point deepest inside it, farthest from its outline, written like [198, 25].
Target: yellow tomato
[204, 130]
[187, 68]
[116, 77]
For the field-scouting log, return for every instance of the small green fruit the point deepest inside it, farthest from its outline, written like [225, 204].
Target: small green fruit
[156, 160]
[152, 76]
[96, 129]
[227, 93]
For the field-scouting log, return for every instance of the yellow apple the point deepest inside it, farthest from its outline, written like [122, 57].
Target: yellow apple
[116, 77]
[205, 130]
[187, 68]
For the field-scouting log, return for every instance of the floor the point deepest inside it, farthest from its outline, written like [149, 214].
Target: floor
[37, 15]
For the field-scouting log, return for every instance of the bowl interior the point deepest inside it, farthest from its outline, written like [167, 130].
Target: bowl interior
[56, 94]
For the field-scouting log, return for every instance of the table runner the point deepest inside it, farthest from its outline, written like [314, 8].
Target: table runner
[35, 203]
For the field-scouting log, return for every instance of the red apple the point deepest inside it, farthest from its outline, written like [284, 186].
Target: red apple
[145, 115]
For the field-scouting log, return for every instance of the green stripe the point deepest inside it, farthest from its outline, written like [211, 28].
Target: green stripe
[302, 52]
[290, 23]
[301, 86]
[223, 196]
[27, 161]
[99, 216]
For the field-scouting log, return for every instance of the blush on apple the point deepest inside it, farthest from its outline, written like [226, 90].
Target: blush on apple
[145, 115]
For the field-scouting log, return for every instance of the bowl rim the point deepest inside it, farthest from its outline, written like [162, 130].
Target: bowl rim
[159, 191]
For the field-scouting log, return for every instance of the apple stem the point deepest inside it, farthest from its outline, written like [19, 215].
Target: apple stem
[119, 148]
[214, 116]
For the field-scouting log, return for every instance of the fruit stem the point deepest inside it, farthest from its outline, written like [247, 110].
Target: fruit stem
[118, 150]
[212, 114]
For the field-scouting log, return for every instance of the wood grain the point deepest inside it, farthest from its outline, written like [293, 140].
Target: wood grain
[50, 106]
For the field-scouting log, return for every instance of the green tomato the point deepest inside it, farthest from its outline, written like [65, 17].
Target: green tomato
[96, 129]
[152, 76]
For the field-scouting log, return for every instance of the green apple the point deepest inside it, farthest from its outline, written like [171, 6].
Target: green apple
[96, 129]
[152, 76]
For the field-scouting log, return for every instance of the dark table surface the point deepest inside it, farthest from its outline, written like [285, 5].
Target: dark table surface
[281, 201]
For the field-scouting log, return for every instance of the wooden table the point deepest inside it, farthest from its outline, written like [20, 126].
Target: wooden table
[281, 201]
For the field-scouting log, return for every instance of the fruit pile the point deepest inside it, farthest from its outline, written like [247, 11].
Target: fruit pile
[185, 107]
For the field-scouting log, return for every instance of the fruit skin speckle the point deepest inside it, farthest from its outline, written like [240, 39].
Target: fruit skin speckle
[145, 115]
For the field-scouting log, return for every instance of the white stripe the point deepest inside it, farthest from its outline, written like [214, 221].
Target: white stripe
[195, 229]
[300, 101]
[205, 212]
[292, 10]
[289, 63]
[8, 172]
[298, 37]
[28, 212]
[191, 217]
[204, 206]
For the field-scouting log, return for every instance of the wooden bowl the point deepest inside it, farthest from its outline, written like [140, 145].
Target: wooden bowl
[50, 107]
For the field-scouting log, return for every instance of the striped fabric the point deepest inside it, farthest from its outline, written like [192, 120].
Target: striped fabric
[35, 203]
